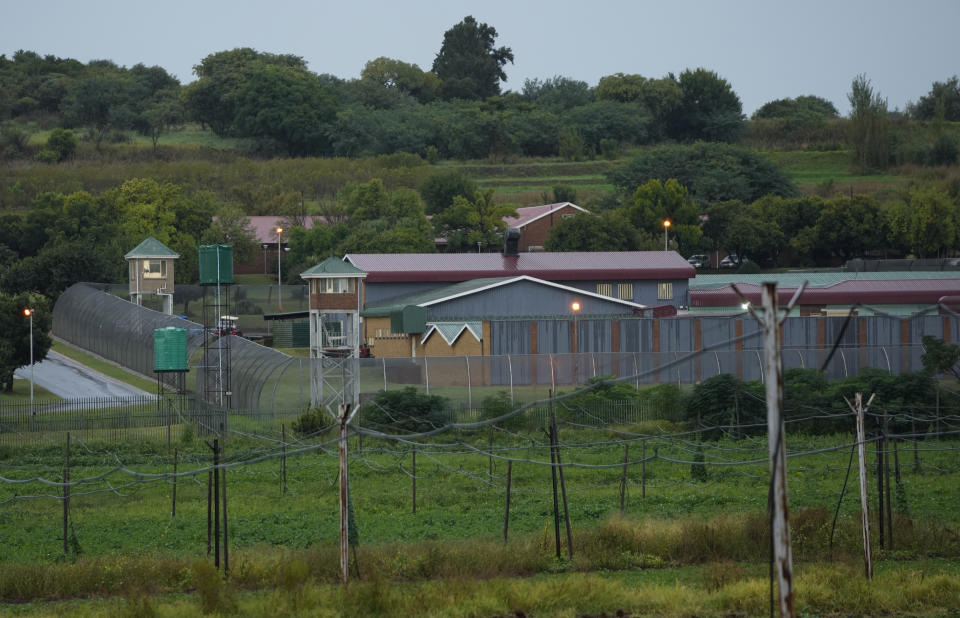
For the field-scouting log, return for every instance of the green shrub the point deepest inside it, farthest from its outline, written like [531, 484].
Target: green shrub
[310, 423]
[407, 410]
[749, 267]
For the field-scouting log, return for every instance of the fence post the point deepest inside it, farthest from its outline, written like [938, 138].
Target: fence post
[563, 485]
[413, 477]
[216, 502]
[506, 510]
[209, 508]
[66, 496]
[283, 458]
[643, 469]
[173, 510]
[860, 410]
[553, 472]
[623, 479]
[886, 481]
[490, 450]
[226, 537]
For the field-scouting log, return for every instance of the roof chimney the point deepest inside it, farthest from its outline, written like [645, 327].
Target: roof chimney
[511, 241]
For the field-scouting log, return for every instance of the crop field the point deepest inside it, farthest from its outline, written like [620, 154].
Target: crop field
[432, 511]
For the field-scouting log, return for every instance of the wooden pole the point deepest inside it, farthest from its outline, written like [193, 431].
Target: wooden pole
[623, 479]
[506, 510]
[344, 507]
[916, 447]
[66, 497]
[216, 502]
[880, 511]
[777, 447]
[860, 410]
[173, 509]
[209, 508]
[490, 451]
[553, 472]
[563, 489]
[283, 458]
[886, 481]
[226, 544]
[413, 478]
[643, 469]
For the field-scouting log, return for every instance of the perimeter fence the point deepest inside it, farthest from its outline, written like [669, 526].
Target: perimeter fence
[676, 350]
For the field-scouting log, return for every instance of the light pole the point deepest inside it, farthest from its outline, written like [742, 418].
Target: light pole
[575, 308]
[265, 247]
[27, 312]
[279, 280]
[666, 228]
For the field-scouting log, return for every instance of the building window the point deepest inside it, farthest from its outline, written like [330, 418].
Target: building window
[567, 216]
[664, 291]
[154, 269]
[338, 286]
[625, 291]
[605, 289]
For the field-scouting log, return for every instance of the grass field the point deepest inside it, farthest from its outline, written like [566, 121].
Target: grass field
[699, 546]
[21, 392]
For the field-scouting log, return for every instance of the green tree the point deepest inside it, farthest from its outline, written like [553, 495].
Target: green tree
[709, 109]
[60, 146]
[940, 357]
[945, 95]
[869, 125]
[711, 172]
[467, 224]
[232, 227]
[222, 77]
[144, 208]
[610, 230]
[163, 113]
[468, 64]
[439, 190]
[802, 109]
[286, 106]
[656, 201]
[15, 343]
[933, 221]
[385, 81]
[849, 227]
[557, 93]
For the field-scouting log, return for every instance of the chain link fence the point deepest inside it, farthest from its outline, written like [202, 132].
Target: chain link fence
[265, 378]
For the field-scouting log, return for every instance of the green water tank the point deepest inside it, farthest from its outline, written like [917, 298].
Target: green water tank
[216, 264]
[170, 349]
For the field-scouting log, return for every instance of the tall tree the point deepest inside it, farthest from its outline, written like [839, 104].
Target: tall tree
[468, 64]
[869, 125]
[709, 109]
[16, 344]
[471, 224]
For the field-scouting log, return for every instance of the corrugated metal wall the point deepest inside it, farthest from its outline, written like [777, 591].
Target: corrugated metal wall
[686, 334]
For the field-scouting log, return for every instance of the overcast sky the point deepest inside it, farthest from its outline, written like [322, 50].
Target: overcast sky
[766, 49]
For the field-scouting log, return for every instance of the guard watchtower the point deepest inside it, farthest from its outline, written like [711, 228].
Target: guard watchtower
[150, 265]
[335, 301]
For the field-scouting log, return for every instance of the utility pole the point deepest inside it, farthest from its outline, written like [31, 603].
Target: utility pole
[860, 410]
[770, 321]
[777, 447]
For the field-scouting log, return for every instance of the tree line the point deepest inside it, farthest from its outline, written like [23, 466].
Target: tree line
[454, 110]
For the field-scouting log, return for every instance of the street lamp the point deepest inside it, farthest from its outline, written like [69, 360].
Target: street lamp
[279, 280]
[666, 227]
[28, 313]
[265, 247]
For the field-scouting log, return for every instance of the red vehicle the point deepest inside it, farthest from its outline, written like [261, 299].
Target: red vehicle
[228, 326]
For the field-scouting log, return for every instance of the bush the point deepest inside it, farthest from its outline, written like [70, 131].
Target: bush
[944, 151]
[500, 404]
[749, 267]
[407, 410]
[711, 172]
[310, 423]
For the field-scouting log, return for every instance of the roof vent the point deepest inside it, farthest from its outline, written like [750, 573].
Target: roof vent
[511, 242]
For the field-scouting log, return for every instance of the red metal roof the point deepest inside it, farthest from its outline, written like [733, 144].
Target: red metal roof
[867, 292]
[577, 266]
[528, 214]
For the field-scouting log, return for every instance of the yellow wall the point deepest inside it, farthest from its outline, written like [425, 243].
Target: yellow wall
[400, 346]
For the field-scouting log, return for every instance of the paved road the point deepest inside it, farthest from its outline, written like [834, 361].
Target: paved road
[71, 380]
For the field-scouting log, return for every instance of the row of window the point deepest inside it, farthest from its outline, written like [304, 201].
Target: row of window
[625, 291]
[342, 285]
